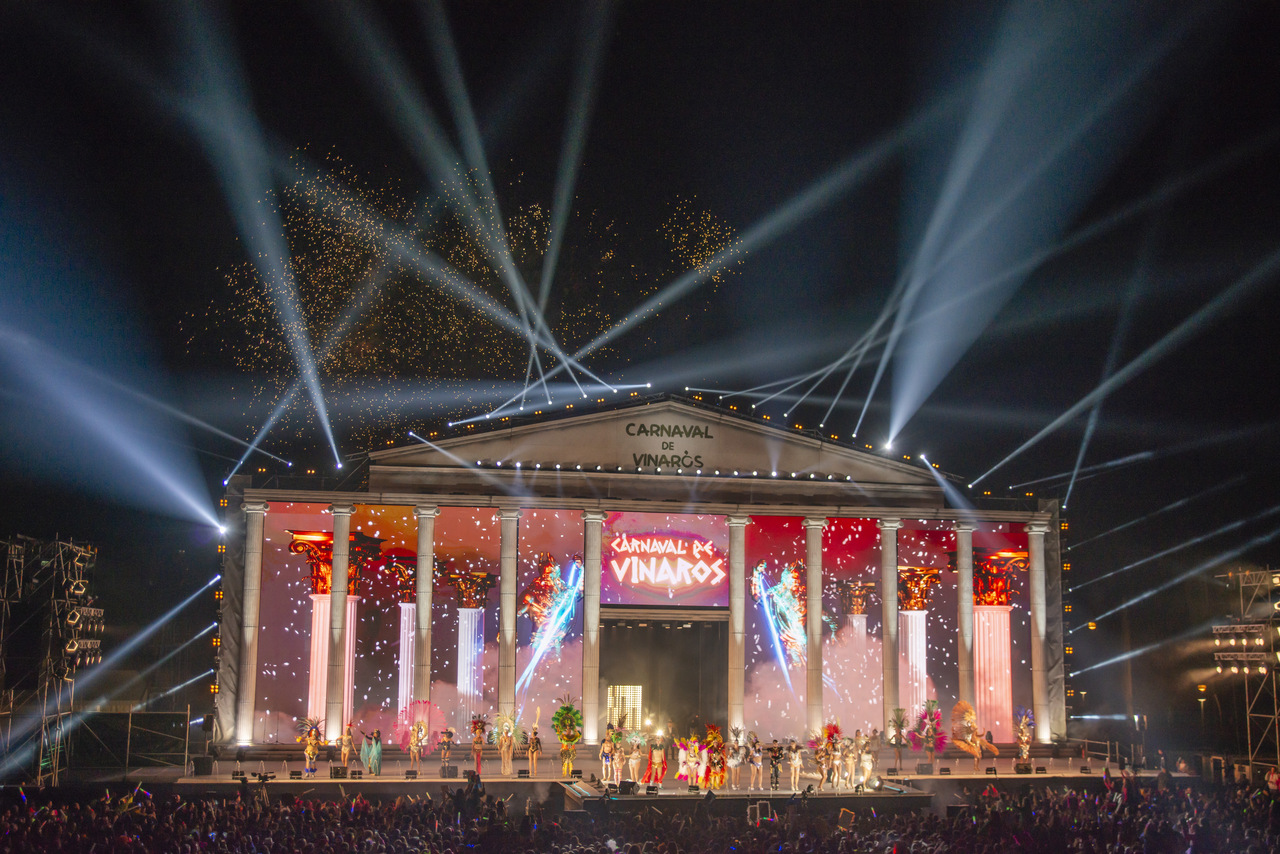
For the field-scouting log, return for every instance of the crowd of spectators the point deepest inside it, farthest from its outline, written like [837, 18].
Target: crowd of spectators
[1119, 818]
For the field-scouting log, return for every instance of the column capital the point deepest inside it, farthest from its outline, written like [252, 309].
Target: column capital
[818, 522]
[1036, 528]
[426, 511]
[737, 521]
[342, 509]
[254, 506]
[597, 516]
[889, 524]
[509, 513]
[966, 526]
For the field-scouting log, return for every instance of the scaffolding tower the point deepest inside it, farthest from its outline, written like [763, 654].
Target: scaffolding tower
[1248, 648]
[49, 629]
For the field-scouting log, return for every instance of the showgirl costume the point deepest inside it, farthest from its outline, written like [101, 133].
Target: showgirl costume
[348, 741]
[535, 751]
[656, 771]
[371, 752]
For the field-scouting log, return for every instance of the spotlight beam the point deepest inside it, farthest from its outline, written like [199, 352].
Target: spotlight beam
[153, 667]
[1181, 502]
[175, 689]
[1231, 554]
[1240, 290]
[1143, 650]
[1225, 529]
[488, 478]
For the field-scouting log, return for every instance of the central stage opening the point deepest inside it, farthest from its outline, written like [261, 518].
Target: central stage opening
[665, 666]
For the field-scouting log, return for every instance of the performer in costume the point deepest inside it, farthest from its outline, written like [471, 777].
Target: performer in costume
[714, 776]
[567, 722]
[607, 748]
[733, 758]
[757, 763]
[967, 736]
[535, 752]
[446, 744]
[797, 762]
[310, 749]
[1023, 720]
[478, 726]
[656, 770]
[348, 741]
[507, 748]
[634, 761]
[371, 752]
[775, 760]
[417, 733]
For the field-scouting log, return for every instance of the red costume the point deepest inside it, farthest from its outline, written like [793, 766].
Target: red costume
[656, 770]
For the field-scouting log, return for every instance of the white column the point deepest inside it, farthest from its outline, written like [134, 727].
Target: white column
[335, 689]
[993, 670]
[737, 618]
[889, 615]
[509, 520]
[318, 676]
[813, 622]
[470, 662]
[914, 650]
[349, 665]
[247, 683]
[1039, 631]
[408, 621]
[593, 523]
[424, 578]
[964, 608]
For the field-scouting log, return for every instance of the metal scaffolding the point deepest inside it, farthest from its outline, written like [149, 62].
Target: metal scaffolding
[1248, 647]
[49, 629]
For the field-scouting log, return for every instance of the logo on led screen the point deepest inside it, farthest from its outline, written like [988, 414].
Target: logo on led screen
[665, 562]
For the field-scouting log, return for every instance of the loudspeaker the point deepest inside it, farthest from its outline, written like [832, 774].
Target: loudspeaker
[357, 774]
[206, 725]
[337, 772]
[295, 775]
[1084, 769]
[1040, 769]
[448, 771]
[924, 769]
[992, 770]
[575, 774]
[472, 776]
[891, 772]
[651, 791]
[522, 774]
[944, 771]
[628, 787]
[203, 765]
[1022, 768]
[693, 790]
[411, 774]
[611, 789]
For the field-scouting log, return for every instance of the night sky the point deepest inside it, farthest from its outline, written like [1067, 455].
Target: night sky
[1026, 198]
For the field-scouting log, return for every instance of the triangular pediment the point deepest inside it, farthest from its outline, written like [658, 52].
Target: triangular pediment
[666, 434]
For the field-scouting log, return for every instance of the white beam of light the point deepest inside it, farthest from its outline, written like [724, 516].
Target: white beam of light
[1228, 299]
[114, 426]
[1185, 544]
[218, 109]
[89, 677]
[1037, 143]
[1181, 502]
[1194, 631]
[1231, 554]
[175, 689]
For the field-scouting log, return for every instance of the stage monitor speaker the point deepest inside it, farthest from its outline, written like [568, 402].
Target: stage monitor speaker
[1040, 769]
[944, 771]
[337, 772]
[924, 769]
[651, 791]
[891, 772]
[611, 788]
[472, 776]
[295, 774]
[448, 771]
[575, 774]
[357, 774]
[203, 765]
[1022, 768]
[522, 774]
[628, 787]
[992, 770]
[1084, 769]
[693, 790]
[411, 774]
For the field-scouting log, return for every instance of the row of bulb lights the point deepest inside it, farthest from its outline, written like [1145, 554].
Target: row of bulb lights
[1247, 638]
[658, 470]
